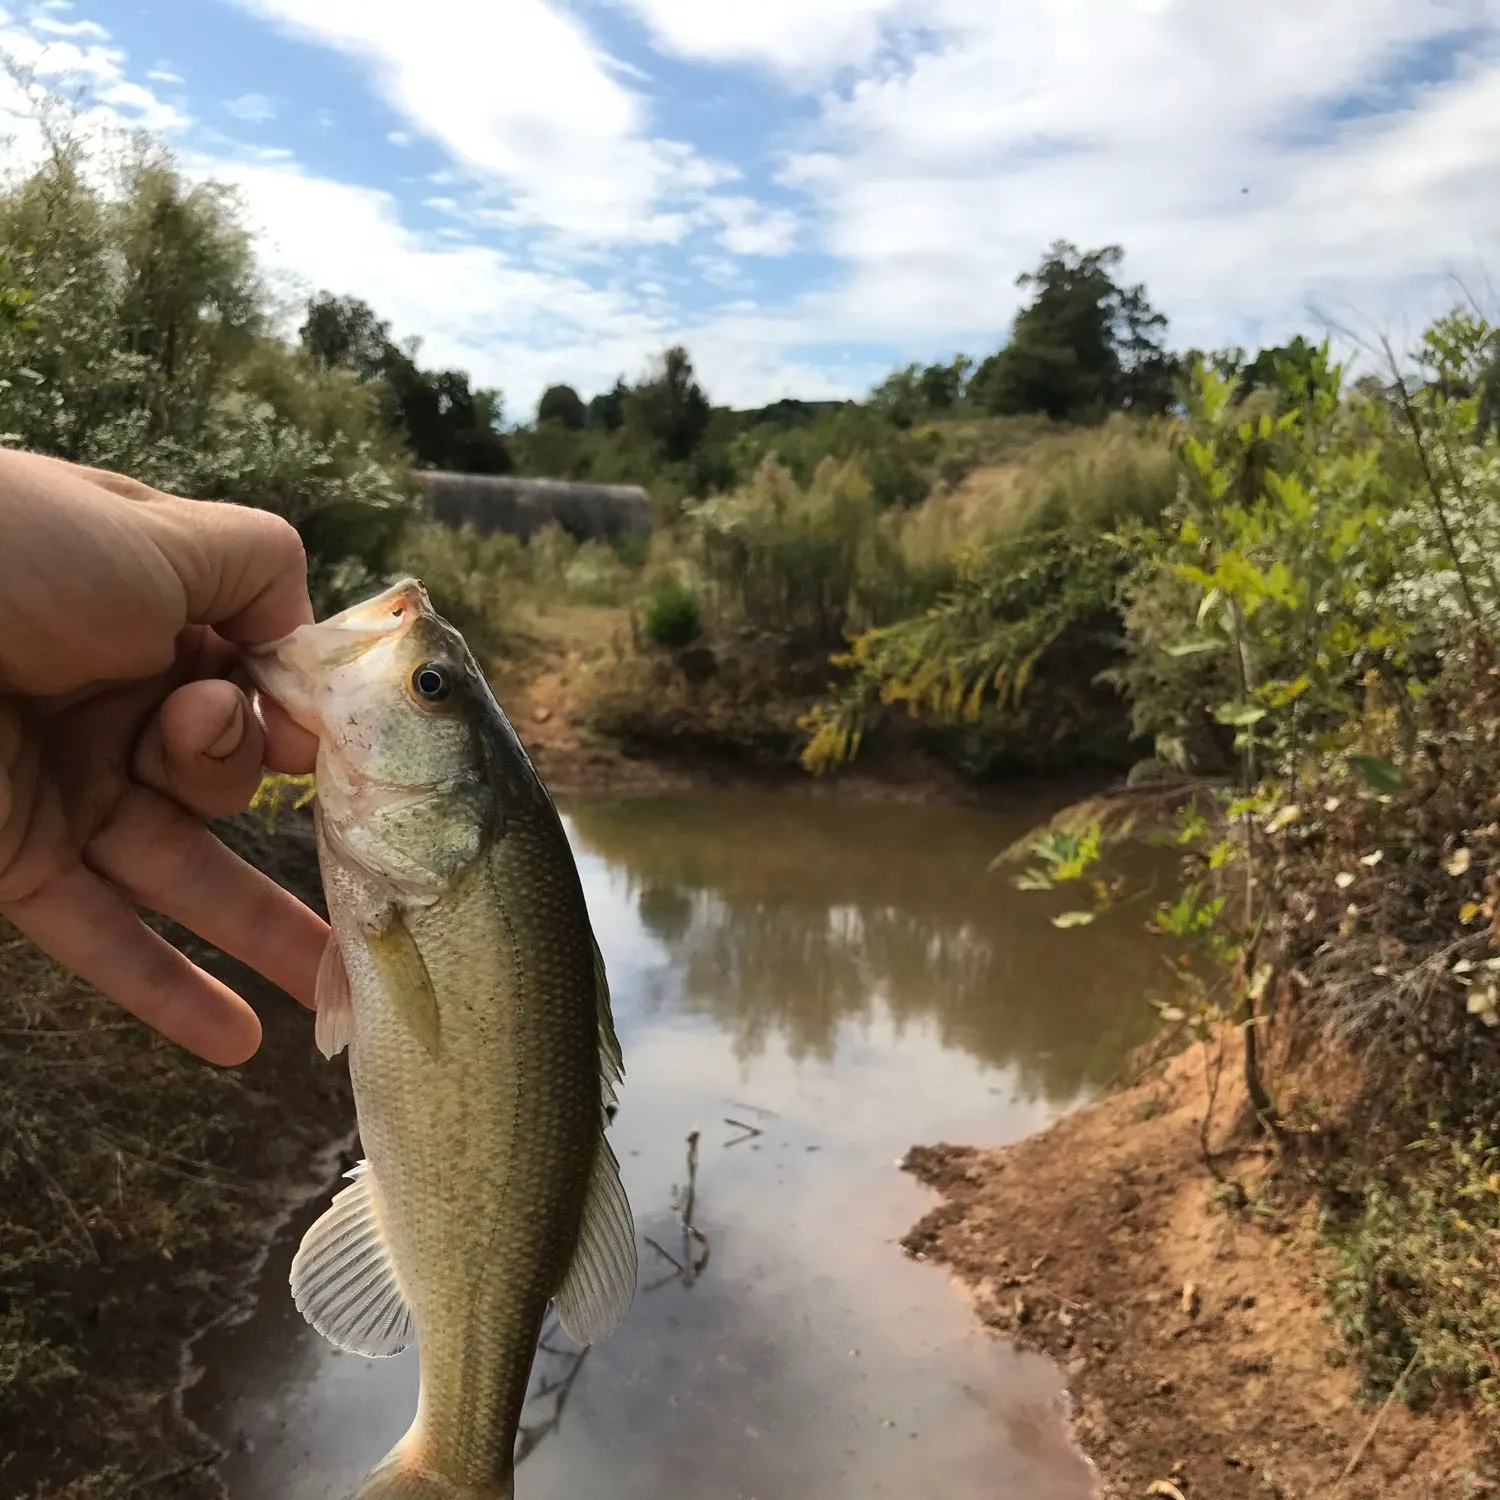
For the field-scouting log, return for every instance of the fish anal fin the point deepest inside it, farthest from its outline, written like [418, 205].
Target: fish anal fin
[334, 1027]
[405, 979]
[343, 1278]
[599, 1286]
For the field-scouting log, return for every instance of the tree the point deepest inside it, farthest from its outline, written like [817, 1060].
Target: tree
[607, 410]
[1148, 372]
[916, 390]
[1276, 367]
[344, 333]
[670, 409]
[448, 423]
[563, 405]
[1227, 363]
[941, 387]
[1082, 346]
[897, 397]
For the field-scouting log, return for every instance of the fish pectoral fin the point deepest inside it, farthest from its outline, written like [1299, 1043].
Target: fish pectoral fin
[404, 977]
[334, 1027]
[599, 1286]
[344, 1280]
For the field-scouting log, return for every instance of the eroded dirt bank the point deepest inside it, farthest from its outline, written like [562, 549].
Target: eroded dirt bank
[1192, 1335]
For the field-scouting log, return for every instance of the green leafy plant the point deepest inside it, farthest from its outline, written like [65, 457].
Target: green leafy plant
[674, 617]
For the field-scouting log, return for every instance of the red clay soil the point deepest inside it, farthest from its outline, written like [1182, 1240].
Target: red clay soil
[1192, 1334]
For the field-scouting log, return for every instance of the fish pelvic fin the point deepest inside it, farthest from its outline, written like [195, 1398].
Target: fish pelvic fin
[399, 1479]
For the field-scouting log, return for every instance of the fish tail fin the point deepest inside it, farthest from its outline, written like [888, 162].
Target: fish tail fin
[399, 1479]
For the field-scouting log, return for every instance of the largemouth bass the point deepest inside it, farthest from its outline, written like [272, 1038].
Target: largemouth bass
[464, 978]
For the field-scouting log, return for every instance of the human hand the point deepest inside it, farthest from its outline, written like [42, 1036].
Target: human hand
[124, 723]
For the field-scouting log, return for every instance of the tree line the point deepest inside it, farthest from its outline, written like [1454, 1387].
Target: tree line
[1084, 344]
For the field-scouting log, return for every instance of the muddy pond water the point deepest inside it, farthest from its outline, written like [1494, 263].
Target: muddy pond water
[812, 986]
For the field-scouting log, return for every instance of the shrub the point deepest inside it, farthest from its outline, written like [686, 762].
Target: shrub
[673, 617]
[473, 580]
[1413, 1290]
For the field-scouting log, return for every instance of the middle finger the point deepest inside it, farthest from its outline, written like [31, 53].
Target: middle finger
[203, 748]
[166, 860]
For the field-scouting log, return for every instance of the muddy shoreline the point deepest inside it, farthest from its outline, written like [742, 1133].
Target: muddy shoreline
[1192, 1334]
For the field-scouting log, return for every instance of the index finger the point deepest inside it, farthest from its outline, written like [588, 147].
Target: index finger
[243, 571]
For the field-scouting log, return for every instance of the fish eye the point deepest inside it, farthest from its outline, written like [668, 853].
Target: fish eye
[432, 682]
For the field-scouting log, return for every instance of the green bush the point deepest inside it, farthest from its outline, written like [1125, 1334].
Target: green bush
[137, 337]
[473, 580]
[673, 616]
[1413, 1289]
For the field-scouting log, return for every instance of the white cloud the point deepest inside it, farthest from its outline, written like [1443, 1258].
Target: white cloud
[399, 138]
[85, 72]
[794, 38]
[253, 109]
[87, 30]
[941, 178]
[526, 101]
[749, 228]
[520, 327]
[164, 75]
[473, 305]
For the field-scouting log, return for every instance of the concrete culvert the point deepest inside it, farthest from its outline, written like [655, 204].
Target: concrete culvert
[521, 507]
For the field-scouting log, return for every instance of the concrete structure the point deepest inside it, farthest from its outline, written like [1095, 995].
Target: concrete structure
[503, 502]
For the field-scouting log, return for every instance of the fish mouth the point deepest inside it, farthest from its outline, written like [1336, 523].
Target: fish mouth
[289, 670]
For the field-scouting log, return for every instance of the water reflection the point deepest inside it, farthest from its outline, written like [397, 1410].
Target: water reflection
[691, 1260]
[553, 1377]
[803, 989]
[816, 916]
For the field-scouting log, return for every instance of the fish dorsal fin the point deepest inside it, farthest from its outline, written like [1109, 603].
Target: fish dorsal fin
[611, 1060]
[404, 977]
[343, 1279]
[599, 1286]
[335, 1005]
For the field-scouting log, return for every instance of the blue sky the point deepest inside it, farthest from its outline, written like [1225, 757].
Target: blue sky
[808, 192]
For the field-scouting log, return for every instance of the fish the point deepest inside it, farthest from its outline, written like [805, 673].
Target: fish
[463, 976]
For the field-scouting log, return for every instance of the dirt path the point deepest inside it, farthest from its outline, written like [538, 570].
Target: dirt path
[1192, 1336]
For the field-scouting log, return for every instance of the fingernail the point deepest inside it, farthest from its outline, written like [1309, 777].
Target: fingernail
[232, 737]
